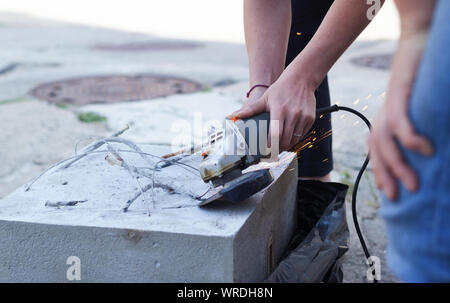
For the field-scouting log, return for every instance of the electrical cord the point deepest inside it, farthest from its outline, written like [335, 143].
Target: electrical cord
[329, 110]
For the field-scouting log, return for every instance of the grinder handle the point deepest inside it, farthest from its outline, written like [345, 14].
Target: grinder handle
[266, 117]
[319, 112]
[258, 118]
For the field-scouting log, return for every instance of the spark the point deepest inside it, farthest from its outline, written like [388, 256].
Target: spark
[356, 101]
[369, 96]
[356, 123]
[326, 135]
[365, 107]
[308, 142]
[299, 34]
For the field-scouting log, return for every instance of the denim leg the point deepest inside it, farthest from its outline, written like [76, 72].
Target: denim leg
[418, 224]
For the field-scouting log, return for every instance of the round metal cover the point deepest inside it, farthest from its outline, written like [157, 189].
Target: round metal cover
[375, 61]
[112, 89]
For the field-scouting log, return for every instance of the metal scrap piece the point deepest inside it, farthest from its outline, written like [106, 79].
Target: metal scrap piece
[63, 203]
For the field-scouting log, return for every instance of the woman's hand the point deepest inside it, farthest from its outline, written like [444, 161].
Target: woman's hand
[392, 126]
[288, 101]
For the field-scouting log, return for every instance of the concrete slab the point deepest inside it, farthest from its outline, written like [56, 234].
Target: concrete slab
[178, 242]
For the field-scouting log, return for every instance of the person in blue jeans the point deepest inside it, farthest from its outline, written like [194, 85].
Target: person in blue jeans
[410, 146]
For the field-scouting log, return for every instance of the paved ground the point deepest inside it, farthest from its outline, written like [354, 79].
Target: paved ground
[35, 134]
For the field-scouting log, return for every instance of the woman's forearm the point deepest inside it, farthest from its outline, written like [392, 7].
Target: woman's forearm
[415, 19]
[267, 25]
[345, 20]
[415, 15]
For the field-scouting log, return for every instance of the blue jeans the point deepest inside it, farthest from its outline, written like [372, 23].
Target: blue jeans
[418, 224]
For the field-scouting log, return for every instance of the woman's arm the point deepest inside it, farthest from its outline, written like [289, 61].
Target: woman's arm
[343, 23]
[290, 99]
[266, 25]
[392, 123]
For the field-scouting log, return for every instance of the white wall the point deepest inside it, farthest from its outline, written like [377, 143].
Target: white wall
[219, 20]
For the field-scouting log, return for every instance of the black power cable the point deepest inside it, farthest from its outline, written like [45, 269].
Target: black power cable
[335, 108]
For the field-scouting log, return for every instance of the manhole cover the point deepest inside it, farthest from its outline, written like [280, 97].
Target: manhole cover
[375, 61]
[112, 89]
[147, 46]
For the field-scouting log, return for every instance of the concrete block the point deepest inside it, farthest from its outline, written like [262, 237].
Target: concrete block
[178, 242]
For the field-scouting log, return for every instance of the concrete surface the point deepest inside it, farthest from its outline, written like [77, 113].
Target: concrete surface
[178, 242]
[35, 135]
[64, 51]
[363, 89]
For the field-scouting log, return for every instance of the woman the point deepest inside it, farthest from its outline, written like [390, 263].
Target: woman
[306, 36]
[410, 146]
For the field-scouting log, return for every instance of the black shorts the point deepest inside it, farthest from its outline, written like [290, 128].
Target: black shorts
[306, 18]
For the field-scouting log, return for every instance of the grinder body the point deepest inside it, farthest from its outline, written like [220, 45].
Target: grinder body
[241, 143]
[238, 145]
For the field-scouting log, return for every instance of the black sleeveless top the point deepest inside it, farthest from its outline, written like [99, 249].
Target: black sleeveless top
[306, 18]
[309, 11]
[307, 15]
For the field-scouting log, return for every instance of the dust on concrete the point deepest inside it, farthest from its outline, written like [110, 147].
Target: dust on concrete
[35, 135]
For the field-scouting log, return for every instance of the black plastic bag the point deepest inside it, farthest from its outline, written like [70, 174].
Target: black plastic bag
[315, 251]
